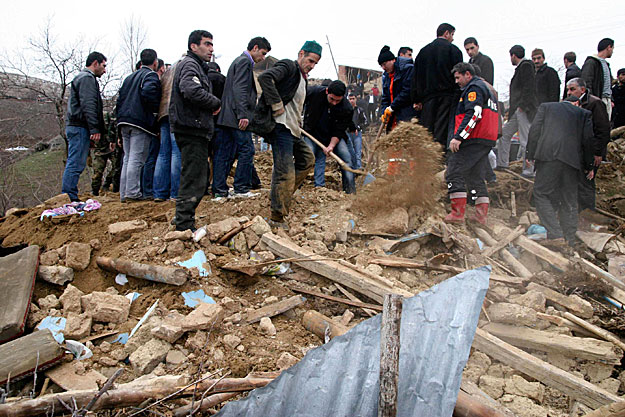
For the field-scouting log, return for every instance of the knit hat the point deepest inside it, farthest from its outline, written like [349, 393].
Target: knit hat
[312, 46]
[385, 55]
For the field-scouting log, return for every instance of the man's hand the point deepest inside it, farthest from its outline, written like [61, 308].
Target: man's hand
[333, 142]
[598, 160]
[454, 145]
[278, 112]
[418, 106]
[386, 116]
[243, 123]
[590, 175]
[112, 146]
[216, 112]
[95, 137]
[119, 142]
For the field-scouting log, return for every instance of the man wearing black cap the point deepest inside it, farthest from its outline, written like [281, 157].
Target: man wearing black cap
[395, 103]
[327, 116]
[596, 72]
[284, 92]
[434, 90]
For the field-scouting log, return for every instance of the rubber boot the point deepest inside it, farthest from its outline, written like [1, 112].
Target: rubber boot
[458, 206]
[481, 213]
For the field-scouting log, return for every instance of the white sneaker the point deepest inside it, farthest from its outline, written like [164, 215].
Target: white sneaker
[249, 194]
[218, 199]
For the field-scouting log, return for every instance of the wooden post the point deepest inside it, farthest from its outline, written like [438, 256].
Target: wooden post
[156, 273]
[513, 203]
[389, 355]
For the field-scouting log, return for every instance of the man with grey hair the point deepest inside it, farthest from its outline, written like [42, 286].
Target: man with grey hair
[601, 129]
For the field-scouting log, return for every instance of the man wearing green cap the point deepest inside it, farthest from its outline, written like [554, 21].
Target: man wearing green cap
[284, 92]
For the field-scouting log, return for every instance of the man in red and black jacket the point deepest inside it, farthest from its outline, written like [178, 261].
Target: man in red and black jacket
[475, 133]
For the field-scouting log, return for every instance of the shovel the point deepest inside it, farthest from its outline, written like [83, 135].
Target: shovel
[369, 178]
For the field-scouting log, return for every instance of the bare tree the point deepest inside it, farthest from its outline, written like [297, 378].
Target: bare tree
[134, 36]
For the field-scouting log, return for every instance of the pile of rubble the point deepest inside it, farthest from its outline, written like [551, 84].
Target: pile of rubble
[233, 309]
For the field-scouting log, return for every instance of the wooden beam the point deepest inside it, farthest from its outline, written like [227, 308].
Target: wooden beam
[352, 297]
[322, 326]
[389, 355]
[273, 309]
[583, 310]
[336, 299]
[520, 177]
[552, 376]
[475, 392]
[599, 272]
[602, 333]
[610, 410]
[332, 270]
[156, 273]
[504, 254]
[560, 321]
[577, 347]
[20, 357]
[505, 241]
[468, 406]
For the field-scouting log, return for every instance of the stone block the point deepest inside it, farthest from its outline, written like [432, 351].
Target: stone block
[231, 341]
[492, 386]
[217, 230]
[175, 248]
[49, 302]
[260, 226]
[71, 299]
[513, 314]
[168, 331]
[175, 357]
[204, 317]
[123, 230]
[522, 406]
[532, 299]
[77, 326]
[57, 274]
[178, 235]
[49, 257]
[78, 256]
[517, 385]
[286, 360]
[109, 308]
[266, 327]
[149, 355]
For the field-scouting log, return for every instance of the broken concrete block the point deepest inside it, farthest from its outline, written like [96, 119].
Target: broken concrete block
[517, 385]
[178, 235]
[17, 279]
[77, 326]
[266, 327]
[492, 386]
[476, 366]
[286, 360]
[71, 299]
[78, 256]
[395, 222]
[270, 300]
[57, 274]
[49, 302]
[512, 314]
[217, 230]
[522, 406]
[123, 230]
[109, 308]
[175, 248]
[260, 226]
[175, 357]
[50, 257]
[532, 299]
[142, 335]
[240, 244]
[149, 355]
[168, 331]
[204, 317]
[231, 341]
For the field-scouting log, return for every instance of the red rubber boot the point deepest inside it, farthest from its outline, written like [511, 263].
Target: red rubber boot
[458, 206]
[481, 213]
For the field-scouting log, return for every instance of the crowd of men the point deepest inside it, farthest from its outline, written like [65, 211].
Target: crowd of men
[169, 120]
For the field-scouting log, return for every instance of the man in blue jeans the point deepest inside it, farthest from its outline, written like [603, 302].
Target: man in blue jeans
[359, 123]
[327, 116]
[84, 122]
[233, 138]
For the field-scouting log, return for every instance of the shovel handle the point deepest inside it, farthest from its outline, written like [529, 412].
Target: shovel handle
[333, 155]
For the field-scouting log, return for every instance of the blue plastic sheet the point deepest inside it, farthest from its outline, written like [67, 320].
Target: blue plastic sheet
[193, 298]
[56, 325]
[197, 261]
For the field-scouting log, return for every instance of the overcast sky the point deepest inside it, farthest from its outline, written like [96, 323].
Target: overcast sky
[357, 30]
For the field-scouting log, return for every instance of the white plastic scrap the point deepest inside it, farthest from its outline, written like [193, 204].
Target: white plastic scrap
[79, 350]
[121, 279]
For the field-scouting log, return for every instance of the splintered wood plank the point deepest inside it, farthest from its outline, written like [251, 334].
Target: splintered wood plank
[20, 357]
[273, 309]
[67, 377]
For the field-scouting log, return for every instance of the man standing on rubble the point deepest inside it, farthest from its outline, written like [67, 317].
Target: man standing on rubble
[560, 141]
[233, 137]
[282, 105]
[191, 113]
[476, 123]
[572, 70]
[487, 68]
[597, 74]
[618, 96]
[84, 122]
[601, 129]
[395, 103]
[547, 80]
[327, 116]
[433, 89]
[522, 110]
[137, 108]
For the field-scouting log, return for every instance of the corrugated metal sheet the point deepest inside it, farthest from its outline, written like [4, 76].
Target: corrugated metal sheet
[341, 378]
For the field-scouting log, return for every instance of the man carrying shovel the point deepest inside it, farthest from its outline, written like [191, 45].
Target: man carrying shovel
[327, 116]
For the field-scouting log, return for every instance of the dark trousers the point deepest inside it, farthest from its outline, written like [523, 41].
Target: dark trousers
[466, 170]
[586, 191]
[147, 177]
[194, 152]
[292, 161]
[555, 198]
[435, 116]
[231, 144]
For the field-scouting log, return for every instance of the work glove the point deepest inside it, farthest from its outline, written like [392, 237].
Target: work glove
[387, 115]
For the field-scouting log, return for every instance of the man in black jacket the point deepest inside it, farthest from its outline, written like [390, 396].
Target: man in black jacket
[618, 97]
[522, 109]
[601, 129]
[597, 74]
[433, 89]
[233, 138]
[84, 121]
[137, 108]
[547, 80]
[572, 70]
[354, 133]
[327, 116]
[191, 111]
[284, 93]
[487, 69]
[395, 103]
[560, 141]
